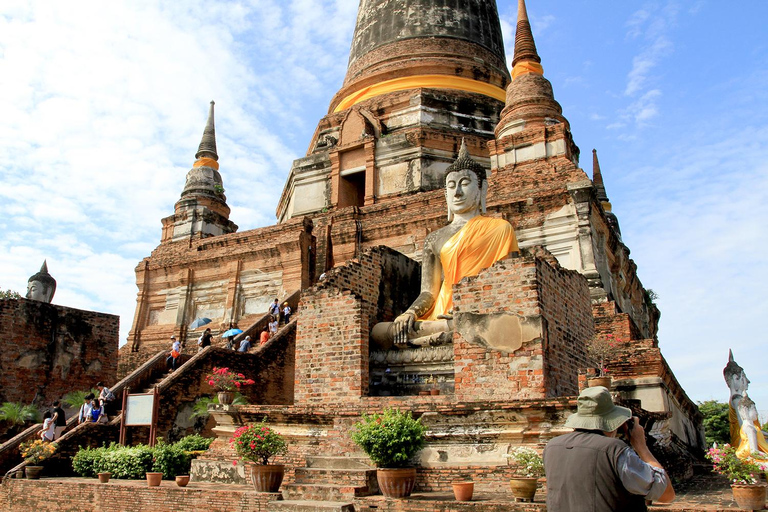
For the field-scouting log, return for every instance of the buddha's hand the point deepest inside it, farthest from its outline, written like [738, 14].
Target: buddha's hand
[403, 326]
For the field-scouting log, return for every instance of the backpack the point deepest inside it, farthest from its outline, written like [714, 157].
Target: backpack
[109, 396]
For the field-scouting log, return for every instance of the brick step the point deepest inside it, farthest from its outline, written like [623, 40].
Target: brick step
[309, 506]
[324, 492]
[339, 462]
[360, 477]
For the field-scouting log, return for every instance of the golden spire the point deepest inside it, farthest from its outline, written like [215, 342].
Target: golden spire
[206, 153]
[526, 59]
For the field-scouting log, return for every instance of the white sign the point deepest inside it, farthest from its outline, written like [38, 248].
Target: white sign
[139, 409]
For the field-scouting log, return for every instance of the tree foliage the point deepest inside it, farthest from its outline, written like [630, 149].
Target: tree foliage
[18, 414]
[716, 426]
[9, 294]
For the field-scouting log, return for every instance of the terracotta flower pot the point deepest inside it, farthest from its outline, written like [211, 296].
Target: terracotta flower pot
[463, 491]
[523, 488]
[396, 482]
[104, 477]
[226, 397]
[599, 381]
[749, 497]
[33, 472]
[182, 480]
[154, 479]
[267, 478]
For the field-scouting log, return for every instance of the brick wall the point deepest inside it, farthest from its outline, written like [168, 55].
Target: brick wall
[48, 350]
[229, 278]
[531, 286]
[455, 431]
[336, 316]
[129, 496]
[566, 307]
[270, 365]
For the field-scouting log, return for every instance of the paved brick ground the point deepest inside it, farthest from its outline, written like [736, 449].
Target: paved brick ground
[706, 493]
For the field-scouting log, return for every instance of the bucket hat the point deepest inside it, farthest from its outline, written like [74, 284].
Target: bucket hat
[596, 411]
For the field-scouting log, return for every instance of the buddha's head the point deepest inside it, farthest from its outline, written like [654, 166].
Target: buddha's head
[42, 285]
[735, 377]
[466, 185]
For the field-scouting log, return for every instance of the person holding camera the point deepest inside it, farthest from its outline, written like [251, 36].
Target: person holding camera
[591, 469]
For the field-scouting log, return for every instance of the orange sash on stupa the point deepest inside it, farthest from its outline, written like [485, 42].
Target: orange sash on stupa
[479, 244]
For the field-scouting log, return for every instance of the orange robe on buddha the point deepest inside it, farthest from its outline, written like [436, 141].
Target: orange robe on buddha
[479, 244]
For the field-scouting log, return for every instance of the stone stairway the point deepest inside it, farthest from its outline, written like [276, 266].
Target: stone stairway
[328, 483]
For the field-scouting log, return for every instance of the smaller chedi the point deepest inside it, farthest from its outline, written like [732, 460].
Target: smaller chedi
[42, 285]
[746, 435]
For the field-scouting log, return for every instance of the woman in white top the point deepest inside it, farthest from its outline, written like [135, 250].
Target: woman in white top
[85, 409]
[49, 426]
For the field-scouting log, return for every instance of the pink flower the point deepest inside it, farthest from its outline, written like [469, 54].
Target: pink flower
[234, 463]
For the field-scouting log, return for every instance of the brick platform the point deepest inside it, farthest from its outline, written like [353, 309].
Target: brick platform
[708, 493]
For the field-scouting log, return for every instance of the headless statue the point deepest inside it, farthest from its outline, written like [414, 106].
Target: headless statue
[746, 435]
[42, 285]
[467, 245]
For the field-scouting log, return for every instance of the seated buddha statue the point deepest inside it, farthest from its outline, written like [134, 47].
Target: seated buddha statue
[746, 435]
[42, 285]
[469, 243]
[752, 441]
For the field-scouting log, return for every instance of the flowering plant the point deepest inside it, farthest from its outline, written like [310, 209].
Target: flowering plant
[224, 380]
[257, 443]
[600, 349]
[528, 462]
[739, 471]
[37, 451]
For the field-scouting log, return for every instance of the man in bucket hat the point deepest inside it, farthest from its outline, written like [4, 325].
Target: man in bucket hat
[591, 470]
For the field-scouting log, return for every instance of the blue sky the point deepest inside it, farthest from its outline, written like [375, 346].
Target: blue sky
[103, 107]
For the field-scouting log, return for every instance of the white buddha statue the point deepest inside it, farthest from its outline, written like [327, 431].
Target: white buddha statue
[752, 442]
[469, 243]
[42, 285]
[746, 435]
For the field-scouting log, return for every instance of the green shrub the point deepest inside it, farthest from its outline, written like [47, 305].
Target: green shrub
[122, 461]
[129, 461]
[74, 399]
[84, 460]
[170, 460]
[194, 443]
[390, 439]
[18, 414]
[717, 427]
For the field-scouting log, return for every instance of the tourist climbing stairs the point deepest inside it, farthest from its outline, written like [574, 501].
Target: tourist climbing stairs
[328, 483]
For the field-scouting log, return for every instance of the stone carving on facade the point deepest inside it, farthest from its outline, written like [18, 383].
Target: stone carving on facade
[42, 285]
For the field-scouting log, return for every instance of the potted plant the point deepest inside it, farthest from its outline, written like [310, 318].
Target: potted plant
[257, 443]
[226, 382]
[390, 439]
[600, 349]
[34, 453]
[744, 475]
[529, 467]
